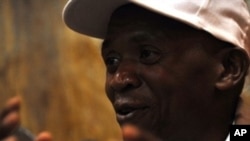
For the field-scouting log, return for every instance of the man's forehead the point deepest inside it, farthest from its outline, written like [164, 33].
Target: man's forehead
[142, 25]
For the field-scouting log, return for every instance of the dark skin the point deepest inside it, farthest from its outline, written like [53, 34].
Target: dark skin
[170, 81]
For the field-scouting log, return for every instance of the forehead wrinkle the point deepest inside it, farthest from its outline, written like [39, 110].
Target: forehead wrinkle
[137, 37]
[140, 36]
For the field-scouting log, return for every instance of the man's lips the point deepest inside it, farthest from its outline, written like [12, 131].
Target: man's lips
[126, 111]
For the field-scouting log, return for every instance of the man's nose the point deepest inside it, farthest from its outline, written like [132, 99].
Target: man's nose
[125, 78]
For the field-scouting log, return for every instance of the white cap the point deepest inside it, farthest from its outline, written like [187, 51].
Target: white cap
[227, 20]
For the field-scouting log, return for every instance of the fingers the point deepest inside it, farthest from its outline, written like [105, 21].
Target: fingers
[9, 117]
[44, 136]
[12, 104]
[10, 120]
[11, 138]
[132, 133]
[9, 124]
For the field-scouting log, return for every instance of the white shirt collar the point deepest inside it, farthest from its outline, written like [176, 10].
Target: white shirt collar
[228, 138]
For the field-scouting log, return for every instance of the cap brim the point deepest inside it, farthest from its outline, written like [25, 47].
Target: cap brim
[90, 17]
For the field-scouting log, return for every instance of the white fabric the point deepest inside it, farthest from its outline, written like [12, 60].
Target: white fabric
[228, 20]
[228, 138]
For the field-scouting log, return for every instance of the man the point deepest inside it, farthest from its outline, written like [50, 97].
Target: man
[175, 69]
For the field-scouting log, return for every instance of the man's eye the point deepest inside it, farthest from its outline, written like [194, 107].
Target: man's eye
[112, 63]
[149, 56]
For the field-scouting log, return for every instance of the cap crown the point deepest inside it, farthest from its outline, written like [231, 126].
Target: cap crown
[228, 20]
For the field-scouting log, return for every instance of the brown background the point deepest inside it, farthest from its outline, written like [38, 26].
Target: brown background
[58, 73]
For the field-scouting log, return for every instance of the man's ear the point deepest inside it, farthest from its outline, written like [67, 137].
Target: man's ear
[235, 63]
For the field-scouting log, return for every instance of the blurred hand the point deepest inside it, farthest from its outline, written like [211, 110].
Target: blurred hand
[132, 133]
[44, 136]
[10, 129]
[9, 117]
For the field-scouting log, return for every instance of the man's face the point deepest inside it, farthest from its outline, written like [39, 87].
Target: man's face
[160, 74]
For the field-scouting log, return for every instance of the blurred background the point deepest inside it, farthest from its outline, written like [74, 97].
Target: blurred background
[58, 73]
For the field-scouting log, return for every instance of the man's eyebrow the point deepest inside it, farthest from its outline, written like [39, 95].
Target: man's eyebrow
[141, 36]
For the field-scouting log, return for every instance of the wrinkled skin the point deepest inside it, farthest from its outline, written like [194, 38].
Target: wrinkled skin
[162, 75]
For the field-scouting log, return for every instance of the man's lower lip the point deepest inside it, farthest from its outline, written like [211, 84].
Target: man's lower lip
[122, 118]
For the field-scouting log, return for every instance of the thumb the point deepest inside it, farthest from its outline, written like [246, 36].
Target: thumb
[44, 136]
[132, 133]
